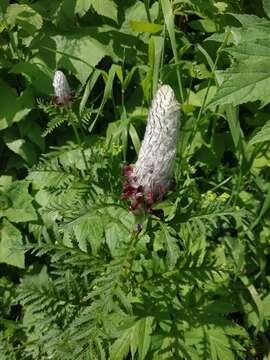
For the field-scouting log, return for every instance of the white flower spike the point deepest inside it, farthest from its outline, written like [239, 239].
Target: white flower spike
[152, 174]
[62, 93]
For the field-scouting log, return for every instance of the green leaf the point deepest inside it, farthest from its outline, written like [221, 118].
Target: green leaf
[243, 83]
[13, 108]
[171, 246]
[143, 330]
[120, 347]
[262, 135]
[23, 148]
[24, 16]
[72, 51]
[21, 209]
[115, 236]
[141, 26]
[89, 230]
[266, 7]
[37, 73]
[82, 6]
[10, 245]
[106, 8]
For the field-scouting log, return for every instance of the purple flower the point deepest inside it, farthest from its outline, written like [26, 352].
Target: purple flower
[151, 176]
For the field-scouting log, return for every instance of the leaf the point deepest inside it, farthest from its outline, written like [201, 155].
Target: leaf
[106, 8]
[89, 230]
[23, 148]
[120, 347]
[106, 95]
[142, 330]
[13, 108]
[74, 53]
[21, 209]
[244, 83]
[172, 248]
[37, 73]
[266, 7]
[115, 236]
[135, 138]
[262, 135]
[10, 244]
[24, 16]
[141, 26]
[30, 128]
[82, 6]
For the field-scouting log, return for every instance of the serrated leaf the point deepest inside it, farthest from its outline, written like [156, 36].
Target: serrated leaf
[21, 209]
[261, 136]
[120, 347]
[171, 246]
[89, 230]
[74, 52]
[244, 82]
[251, 52]
[143, 328]
[10, 245]
[24, 16]
[106, 8]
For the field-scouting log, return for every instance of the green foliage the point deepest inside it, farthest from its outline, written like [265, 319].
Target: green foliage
[81, 276]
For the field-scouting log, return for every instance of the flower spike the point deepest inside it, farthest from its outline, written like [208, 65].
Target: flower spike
[152, 174]
[62, 93]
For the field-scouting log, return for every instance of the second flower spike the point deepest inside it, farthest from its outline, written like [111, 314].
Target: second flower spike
[62, 93]
[152, 174]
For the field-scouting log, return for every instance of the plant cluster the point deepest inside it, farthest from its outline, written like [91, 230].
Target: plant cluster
[100, 256]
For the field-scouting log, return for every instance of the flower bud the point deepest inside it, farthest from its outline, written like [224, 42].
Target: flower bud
[62, 93]
[151, 176]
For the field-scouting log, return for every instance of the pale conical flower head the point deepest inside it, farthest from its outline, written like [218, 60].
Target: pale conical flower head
[62, 92]
[152, 174]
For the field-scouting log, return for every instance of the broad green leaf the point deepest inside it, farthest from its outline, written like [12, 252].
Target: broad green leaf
[120, 347]
[266, 7]
[115, 236]
[21, 147]
[88, 229]
[141, 26]
[143, 330]
[30, 128]
[250, 51]
[261, 136]
[21, 208]
[37, 73]
[73, 53]
[243, 83]
[24, 16]
[13, 108]
[107, 8]
[82, 6]
[11, 251]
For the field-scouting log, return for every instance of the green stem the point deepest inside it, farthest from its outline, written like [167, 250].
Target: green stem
[196, 125]
[78, 139]
[146, 5]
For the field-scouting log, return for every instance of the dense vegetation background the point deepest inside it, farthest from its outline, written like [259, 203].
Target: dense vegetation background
[77, 281]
